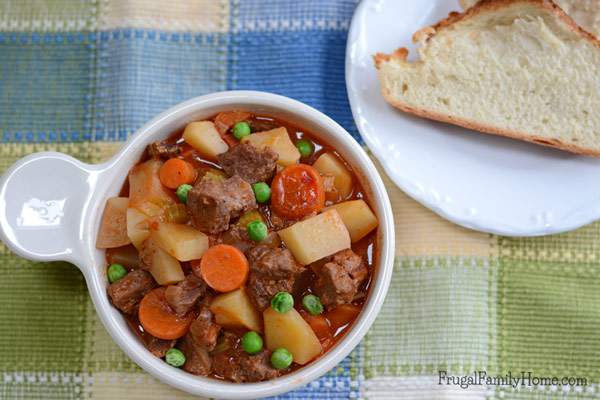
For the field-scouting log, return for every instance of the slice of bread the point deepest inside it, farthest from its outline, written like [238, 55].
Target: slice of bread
[516, 68]
[585, 12]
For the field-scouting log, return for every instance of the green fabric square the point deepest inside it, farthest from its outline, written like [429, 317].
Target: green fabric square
[549, 318]
[49, 15]
[546, 393]
[101, 353]
[437, 314]
[54, 386]
[43, 316]
[579, 246]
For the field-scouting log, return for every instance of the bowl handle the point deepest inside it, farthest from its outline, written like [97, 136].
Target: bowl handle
[44, 199]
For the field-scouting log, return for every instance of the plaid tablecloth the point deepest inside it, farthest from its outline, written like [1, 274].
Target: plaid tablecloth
[81, 76]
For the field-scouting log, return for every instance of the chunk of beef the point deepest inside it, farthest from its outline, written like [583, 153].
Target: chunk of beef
[272, 270]
[339, 279]
[212, 204]
[196, 344]
[263, 124]
[278, 222]
[251, 163]
[203, 331]
[242, 367]
[197, 359]
[237, 236]
[184, 296]
[158, 347]
[127, 292]
[163, 149]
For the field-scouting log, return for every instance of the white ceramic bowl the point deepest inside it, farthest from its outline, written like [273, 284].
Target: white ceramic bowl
[51, 205]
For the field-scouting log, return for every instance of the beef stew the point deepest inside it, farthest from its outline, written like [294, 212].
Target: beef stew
[240, 248]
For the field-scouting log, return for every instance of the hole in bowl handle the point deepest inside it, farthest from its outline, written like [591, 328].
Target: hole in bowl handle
[43, 202]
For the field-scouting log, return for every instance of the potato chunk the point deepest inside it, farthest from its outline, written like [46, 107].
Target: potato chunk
[358, 218]
[330, 164]
[181, 241]
[204, 137]
[234, 309]
[316, 237]
[165, 269]
[113, 228]
[137, 227]
[146, 192]
[279, 141]
[291, 331]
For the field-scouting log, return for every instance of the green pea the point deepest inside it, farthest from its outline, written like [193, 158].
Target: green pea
[257, 231]
[282, 302]
[312, 304]
[262, 192]
[281, 358]
[252, 343]
[305, 147]
[116, 272]
[175, 357]
[241, 130]
[182, 192]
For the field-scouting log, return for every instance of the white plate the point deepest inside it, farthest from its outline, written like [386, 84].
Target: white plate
[479, 181]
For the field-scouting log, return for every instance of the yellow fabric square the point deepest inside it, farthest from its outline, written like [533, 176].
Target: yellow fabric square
[176, 15]
[131, 386]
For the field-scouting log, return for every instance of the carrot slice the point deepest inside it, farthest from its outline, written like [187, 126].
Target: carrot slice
[297, 191]
[342, 315]
[319, 325]
[224, 268]
[175, 172]
[159, 320]
[230, 140]
[225, 120]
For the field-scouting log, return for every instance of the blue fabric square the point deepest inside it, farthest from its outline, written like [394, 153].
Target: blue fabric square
[339, 383]
[305, 65]
[140, 76]
[44, 84]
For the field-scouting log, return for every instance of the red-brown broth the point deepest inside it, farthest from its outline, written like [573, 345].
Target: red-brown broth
[366, 247]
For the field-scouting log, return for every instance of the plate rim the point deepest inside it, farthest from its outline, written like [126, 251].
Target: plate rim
[475, 222]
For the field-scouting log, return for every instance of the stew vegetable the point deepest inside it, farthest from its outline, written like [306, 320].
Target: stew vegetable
[240, 248]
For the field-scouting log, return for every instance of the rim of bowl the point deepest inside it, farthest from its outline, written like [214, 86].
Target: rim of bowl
[379, 199]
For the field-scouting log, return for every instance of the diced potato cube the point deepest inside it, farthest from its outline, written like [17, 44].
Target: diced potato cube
[316, 237]
[235, 310]
[181, 241]
[330, 164]
[291, 331]
[226, 321]
[146, 192]
[279, 141]
[113, 228]
[165, 269]
[204, 137]
[358, 218]
[137, 227]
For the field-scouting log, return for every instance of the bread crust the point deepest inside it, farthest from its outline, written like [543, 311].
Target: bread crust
[489, 129]
[482, 6]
